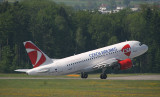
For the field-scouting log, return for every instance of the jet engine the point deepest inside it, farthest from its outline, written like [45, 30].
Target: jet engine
[123, 64]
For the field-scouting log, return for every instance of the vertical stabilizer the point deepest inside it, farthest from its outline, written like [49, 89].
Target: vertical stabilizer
[37, 57]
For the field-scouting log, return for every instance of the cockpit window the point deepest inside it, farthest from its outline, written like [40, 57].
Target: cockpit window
[140, 44]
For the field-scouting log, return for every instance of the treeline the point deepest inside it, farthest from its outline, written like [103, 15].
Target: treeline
[61, 31]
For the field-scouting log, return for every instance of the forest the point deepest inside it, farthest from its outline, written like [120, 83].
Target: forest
[60, 31]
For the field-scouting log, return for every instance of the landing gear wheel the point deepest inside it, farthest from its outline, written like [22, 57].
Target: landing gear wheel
[103, 76]
[84, 75]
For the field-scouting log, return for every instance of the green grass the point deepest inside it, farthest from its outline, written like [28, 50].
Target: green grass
[77, 87]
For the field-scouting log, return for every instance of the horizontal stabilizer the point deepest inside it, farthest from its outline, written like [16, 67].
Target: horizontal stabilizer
[22, 70]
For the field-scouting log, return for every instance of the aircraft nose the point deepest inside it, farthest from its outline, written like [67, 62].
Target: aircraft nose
[145, 47]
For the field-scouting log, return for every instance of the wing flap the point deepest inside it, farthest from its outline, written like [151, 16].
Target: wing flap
[106, 63]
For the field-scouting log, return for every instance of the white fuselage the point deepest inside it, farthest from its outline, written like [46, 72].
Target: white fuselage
[85, 62]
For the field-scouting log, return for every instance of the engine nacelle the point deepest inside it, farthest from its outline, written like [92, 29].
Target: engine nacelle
[124, 64]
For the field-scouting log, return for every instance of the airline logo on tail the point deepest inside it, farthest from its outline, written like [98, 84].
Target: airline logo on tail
[126, 50]
[36, 56]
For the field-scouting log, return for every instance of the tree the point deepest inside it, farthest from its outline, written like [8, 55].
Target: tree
[157, 61]
[113, 4]
[80, 41]
[15, 60]
[112, 40]
[6, 60]
[126, 2]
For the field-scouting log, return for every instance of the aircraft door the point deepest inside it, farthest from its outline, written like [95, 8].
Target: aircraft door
[59, 68]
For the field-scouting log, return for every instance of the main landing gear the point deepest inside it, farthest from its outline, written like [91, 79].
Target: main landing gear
[103, 75]
[84, 75]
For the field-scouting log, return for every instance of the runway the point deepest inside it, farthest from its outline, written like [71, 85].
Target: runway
[135, 77]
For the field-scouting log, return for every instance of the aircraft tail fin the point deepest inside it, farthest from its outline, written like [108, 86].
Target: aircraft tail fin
[37, 57]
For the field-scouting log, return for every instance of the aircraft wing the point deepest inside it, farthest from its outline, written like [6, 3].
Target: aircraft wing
[22, 70]
[106, 63]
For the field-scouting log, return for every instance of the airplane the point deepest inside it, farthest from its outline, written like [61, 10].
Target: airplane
[118, 56]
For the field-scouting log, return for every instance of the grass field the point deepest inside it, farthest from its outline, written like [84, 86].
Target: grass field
[77, 87]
